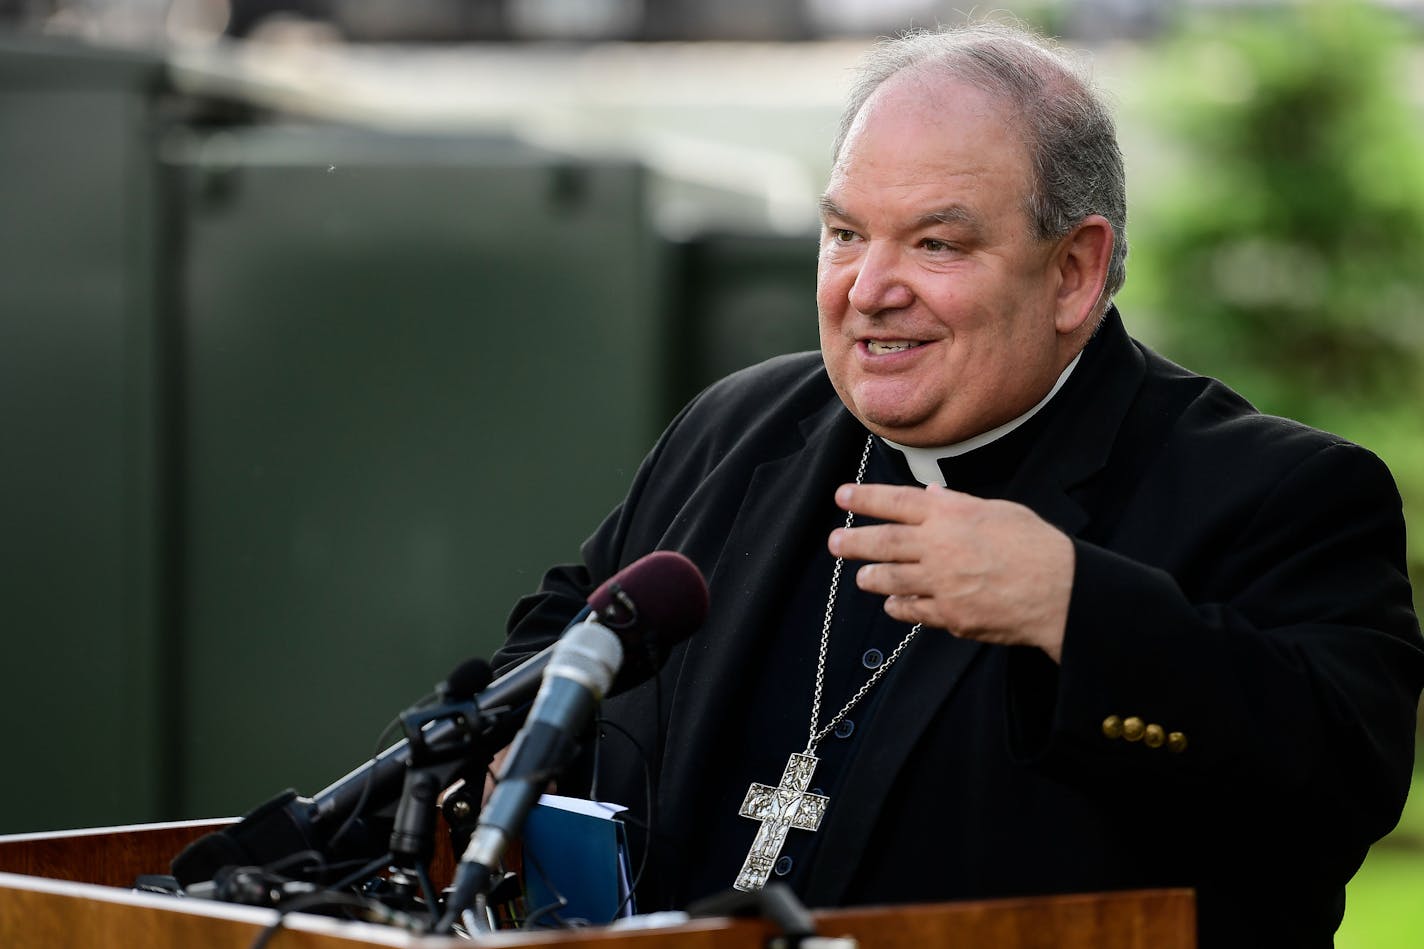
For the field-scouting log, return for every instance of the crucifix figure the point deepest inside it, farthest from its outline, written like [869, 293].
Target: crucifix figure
[787, 806]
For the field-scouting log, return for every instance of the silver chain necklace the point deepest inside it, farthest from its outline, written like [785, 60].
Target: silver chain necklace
[790, 806]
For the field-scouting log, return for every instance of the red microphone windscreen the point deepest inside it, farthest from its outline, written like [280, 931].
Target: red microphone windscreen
[661, 594]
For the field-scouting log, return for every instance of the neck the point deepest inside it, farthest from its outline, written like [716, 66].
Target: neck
[924, 462]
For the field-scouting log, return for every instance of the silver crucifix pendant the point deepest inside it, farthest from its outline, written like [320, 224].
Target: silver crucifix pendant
[787, 806]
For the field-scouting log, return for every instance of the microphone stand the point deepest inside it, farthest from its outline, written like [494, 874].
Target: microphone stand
[428, 774]
[352, 819]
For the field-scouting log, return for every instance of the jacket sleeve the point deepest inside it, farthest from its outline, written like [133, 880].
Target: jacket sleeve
[1292, 689]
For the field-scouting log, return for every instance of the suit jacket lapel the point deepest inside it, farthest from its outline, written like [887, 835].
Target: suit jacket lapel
[756, 564]
[1076, 449]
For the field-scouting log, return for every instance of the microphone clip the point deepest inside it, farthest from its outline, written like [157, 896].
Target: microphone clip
[621, 613]
[468, 724]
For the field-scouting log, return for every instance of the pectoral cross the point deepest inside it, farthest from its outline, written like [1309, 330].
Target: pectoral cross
[780, 809]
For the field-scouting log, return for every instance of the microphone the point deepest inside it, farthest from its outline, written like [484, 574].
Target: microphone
[465, 681]
[326, 826]
[413, 833]
[653, 603]
[577, 677]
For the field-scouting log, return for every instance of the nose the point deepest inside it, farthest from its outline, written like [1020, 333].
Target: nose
[880, 284]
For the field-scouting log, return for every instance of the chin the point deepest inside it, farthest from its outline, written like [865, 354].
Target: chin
[898, 428]
[913, 438]
[915, 431]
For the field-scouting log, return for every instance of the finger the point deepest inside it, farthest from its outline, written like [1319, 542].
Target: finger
[888, 542]
[887, 502]
[892, 579]
[911, 609]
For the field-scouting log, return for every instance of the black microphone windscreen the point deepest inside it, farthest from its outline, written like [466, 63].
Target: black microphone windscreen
[467, 680]
[272, 830]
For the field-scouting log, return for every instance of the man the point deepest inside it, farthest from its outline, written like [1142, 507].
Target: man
[1100, 624]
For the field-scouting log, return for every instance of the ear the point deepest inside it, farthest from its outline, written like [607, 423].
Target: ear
[1082, 260]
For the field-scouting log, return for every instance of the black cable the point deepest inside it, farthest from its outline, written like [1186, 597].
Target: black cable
[649, 785]
[382, 912]
[651, 805]
[597, 751]
[652, 772]
[335, 897]
[317, 857]
[552, 909]
[361, 874]
[344, 864]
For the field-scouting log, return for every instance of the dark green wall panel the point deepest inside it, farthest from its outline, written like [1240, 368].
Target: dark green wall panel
[78, 471]
[294, 414]
[415, 373]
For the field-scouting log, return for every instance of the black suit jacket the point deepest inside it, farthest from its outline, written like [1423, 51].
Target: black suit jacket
[1239, 580]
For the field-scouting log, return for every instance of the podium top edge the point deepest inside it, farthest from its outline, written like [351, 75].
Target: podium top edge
[119, 829]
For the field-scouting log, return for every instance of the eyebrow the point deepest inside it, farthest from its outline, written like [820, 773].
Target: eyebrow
[954, 215]
[830, 209]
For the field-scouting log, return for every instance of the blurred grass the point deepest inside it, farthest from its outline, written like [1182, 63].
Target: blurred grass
[1384, 903]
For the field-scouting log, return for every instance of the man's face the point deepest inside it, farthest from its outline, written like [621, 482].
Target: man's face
[937, 304]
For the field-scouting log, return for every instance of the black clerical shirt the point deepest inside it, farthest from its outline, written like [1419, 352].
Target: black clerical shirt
[772, 710]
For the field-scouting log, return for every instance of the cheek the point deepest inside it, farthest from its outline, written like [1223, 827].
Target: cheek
[830, 296]
[828, 323]
[834, 279]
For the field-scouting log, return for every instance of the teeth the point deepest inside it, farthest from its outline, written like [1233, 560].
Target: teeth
[879, 347]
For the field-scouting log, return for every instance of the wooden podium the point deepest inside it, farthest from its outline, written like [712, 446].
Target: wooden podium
[72, 889]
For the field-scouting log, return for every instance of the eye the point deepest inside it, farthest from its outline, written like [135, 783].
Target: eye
[842, 235]
[935, 245]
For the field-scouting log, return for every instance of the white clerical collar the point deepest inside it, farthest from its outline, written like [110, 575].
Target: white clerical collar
[924, 462]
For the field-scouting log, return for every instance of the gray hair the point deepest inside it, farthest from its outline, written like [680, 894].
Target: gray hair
[1073, 150]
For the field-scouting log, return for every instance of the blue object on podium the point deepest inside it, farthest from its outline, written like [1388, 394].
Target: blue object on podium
[577, 850]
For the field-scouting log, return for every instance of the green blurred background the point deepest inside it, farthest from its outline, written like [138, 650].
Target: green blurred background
[326, 325]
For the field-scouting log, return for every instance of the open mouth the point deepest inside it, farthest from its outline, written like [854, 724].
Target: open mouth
[879, 347]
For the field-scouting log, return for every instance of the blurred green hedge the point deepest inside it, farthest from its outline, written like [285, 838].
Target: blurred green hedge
[1283, 252]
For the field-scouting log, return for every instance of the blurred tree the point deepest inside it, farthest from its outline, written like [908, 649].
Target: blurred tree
[1287, 258]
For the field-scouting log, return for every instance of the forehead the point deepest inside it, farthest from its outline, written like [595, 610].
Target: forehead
[924, 135]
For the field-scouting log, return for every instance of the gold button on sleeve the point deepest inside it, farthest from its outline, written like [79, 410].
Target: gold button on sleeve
[1133, 728]
[1112, 727]
[1176, 743]
[1153, 736]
